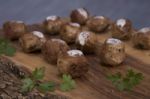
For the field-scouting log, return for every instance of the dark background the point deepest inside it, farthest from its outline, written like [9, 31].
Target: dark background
[32, 11]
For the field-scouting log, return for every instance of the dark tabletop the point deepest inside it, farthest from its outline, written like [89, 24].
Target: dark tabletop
[32, 11]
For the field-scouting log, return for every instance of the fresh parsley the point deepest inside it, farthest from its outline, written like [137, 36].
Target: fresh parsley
[29, 83]
[38, 73]
[6, 48]
[126, 82]
[67, 83]
[48, 86]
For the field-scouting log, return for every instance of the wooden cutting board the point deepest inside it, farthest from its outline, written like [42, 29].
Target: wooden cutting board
[94, 85]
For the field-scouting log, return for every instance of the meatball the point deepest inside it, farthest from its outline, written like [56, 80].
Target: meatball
[52, 24]
[98, 24]
[53, 48]
[112, 52]
[31, 42]
[69, 32]
[86, 41]
[141, 38]
[122, 29]
[14, 29]
[79, 15]
[73, 62]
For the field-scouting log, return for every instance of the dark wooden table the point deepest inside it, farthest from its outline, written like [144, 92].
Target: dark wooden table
[33, 11]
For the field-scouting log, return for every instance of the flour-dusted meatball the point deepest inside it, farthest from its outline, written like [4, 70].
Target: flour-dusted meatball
[141, 38]
[31, 42]
[52, 24]
[98, 24]
[53, 48]
[79, 15]
[73, 62]
[86, 41]
[122, 29]
[69, 32]
[112, 52]
[14, 29]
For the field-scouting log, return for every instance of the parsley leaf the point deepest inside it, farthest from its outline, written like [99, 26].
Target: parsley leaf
[67, 83]
[28, 85]
[33, 82]
[126, 82]
[6, 48]
[115, 78]
[9, 51]
[38, 73]
[49, 86]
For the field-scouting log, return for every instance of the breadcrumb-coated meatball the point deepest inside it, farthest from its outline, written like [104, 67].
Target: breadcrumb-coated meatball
[98, 24]
[69, 32]
[112, 52]
[79, 15]
[53, 48]
[73, 62]
[86, 41]
[141, 38]
[122, 29]
[52, 24]
[14, 29]
[31, 42]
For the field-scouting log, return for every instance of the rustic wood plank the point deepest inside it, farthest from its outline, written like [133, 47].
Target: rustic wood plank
[95, 84]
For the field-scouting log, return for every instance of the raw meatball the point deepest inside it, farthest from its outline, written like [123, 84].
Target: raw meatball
[53, 48]
[112, 52]
[52, 24]
[141, 38]
[122, 29]
[79, 15]
[33, 41]
[86, 41]
[14, 29]
[69, 32]
[98, 24]
[73, 62]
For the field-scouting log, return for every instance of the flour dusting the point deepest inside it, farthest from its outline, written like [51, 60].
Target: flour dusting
[99, 17]
[121, 22]
[82, 37]
[113, 41]
[52, 18]
[74, 53]
[38, 34]
[75, 24]
[144, 30]
[83, 12]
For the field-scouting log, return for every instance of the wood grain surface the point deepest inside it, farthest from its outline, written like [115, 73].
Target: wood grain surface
[95, 85]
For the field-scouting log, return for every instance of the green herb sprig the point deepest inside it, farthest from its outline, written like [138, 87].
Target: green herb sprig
[29, 83]
[67, 83]
[6, 48]
[127, 82]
